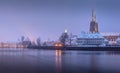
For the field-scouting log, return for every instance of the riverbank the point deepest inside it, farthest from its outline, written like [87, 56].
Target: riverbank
[107, 48]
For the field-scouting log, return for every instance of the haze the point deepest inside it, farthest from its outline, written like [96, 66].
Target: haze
[48, 18]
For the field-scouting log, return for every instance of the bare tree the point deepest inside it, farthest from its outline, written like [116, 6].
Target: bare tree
[38, 41]
[22, 38]
[63, 38]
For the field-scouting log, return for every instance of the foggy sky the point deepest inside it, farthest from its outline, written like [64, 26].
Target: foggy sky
[48, 18]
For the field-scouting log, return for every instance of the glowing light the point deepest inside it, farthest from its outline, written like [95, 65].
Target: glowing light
[58, 45]
[30, 36]
[66, 31]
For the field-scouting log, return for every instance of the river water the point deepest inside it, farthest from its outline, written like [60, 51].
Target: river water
[58, 61]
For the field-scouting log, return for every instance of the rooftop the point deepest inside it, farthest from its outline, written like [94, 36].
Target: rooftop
[91, 35]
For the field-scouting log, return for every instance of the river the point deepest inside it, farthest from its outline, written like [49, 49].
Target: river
[57, 61]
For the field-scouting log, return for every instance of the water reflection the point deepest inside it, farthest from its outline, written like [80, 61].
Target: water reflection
[113, 52]
[87, 61]
[59, 61]
[94, 63]
[58, 54]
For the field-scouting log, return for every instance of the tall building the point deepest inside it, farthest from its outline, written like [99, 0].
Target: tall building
[93, 23]
[93, 38]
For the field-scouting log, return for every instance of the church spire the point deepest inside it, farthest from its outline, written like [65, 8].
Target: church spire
[93, 15]
[93, 23]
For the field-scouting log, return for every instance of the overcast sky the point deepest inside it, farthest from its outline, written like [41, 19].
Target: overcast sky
[48, 18]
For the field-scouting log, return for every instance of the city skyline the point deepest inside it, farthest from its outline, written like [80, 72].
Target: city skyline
[48, 19]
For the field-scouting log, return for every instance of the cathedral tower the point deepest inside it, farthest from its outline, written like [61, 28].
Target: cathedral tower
[93, 23]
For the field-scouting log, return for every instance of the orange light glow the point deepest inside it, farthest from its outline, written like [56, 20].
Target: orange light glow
[58, 44]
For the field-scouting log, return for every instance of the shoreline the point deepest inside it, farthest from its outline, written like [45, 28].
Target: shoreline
[107, 48]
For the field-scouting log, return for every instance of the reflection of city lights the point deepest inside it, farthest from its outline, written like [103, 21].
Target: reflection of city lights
[58, 52]
[58, 61]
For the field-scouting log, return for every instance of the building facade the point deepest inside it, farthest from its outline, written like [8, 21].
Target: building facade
[91, 39]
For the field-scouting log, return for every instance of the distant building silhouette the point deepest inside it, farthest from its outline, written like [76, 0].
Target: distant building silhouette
[93, 23]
